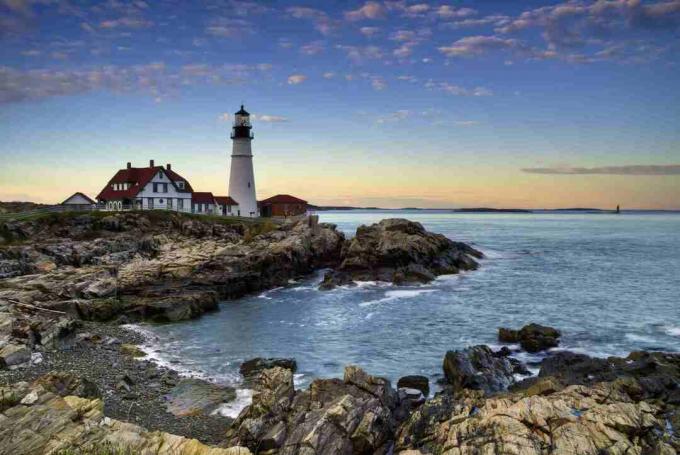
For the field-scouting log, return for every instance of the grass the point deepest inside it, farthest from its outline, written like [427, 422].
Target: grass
[254, 230]
[7, 399]
[101, 448]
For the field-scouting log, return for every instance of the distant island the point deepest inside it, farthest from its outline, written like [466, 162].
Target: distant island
[490, 210]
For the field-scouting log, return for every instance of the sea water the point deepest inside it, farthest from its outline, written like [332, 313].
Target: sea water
[610, 283]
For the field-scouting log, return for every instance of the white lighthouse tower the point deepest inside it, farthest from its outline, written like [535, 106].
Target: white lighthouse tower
[242, 176]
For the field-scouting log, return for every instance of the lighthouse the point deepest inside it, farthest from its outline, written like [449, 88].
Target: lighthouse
[241, 175]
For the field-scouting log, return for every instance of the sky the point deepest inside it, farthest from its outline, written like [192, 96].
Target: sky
[395, 103]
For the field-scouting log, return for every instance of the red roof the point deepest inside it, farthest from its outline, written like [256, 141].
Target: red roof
[283, 199]
[138, 177]
[202, 197]
[225, 200]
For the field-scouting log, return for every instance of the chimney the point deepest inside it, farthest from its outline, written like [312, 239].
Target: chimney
[169, 167]
[150, 163]
[129, 165]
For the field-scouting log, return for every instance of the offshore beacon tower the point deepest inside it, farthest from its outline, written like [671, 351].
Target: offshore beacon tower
[241, 175]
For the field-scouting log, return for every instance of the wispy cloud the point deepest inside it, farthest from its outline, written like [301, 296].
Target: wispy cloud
[662, 169]
[269, 118]
[457, 90]
[295, 79]
[476, 45]
[370, 10]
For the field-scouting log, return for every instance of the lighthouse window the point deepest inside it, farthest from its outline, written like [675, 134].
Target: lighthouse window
[248, 184]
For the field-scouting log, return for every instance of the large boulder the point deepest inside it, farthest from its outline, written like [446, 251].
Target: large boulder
[357, 414]
[400, 251]
[253, 367]
[478, 368]
[417, 382]
[63, 384]
[192, 397]
[532, 337]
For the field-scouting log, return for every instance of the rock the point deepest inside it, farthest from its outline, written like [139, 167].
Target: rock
[132, 350]
[601, 419]
[253, 367]
[64, 384]
[477, 368]
[30, 399]
[191, 397]
[14, 354]
[421, 383]
[399, 251]
[532, 337]
[353, 415]
[53, 424]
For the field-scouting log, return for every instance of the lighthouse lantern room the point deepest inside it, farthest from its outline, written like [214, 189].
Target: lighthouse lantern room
[241, 174]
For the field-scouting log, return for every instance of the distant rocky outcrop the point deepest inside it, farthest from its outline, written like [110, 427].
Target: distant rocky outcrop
[399, 251]
[532, 337]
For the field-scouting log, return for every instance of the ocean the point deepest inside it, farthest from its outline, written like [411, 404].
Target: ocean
[610, 283]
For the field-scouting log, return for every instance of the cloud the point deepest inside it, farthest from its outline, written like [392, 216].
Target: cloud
[269, 118]
[466, 123]
[369, 31]
[396, 116]
[125, 22]
[358, 53]
[322, 22]
[449, 12]
[370, 10]
[313, 48]
[295, 79]
[476, 45]
[228, 27]
[153, 79]
[662, 169]
[328, 75]
[457, 90]
[378, 83]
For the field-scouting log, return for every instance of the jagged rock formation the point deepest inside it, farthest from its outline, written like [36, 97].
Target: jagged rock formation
[400, 251]
[357, 414]
[36, 421]
[162, 266]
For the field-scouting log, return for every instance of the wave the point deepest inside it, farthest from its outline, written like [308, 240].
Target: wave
[398, 295]
[673, 331]
[244, 397]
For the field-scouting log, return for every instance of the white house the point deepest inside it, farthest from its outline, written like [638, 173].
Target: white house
[147, 188]
[227, 206]
[78, 199]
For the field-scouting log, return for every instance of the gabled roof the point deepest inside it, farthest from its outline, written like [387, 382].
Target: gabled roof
[225, 200]
[78, 193]
[202, 197]
[138, 177]
[283, 199]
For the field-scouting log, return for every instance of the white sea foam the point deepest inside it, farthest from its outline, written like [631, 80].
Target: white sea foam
[639, 338]
[244, 397]
[397, 295]
[673, 331]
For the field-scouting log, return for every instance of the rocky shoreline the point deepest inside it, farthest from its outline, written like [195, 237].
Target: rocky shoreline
[72, 377]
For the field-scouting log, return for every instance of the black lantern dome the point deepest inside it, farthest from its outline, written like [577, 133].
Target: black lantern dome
[242, 125]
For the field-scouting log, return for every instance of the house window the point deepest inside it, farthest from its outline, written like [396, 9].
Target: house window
[180, 204]
[169, 203]
[160, 175]
[150, 202]
[160, 187]
[180, 185]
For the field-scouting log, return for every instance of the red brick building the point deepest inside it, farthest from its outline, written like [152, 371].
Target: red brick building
[282, 205]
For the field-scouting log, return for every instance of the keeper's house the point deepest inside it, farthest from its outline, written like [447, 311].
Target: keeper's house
[147, 188]
[282, 205]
